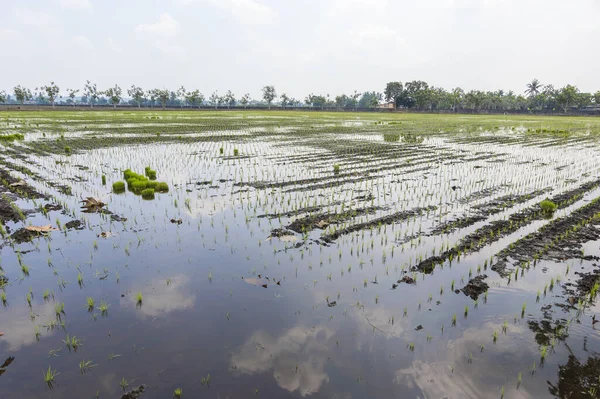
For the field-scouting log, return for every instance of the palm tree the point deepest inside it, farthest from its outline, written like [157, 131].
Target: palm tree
[533, 88]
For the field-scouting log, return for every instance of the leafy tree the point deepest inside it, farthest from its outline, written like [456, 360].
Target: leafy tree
[229, 99]
[284, 100]
[533, 88]
[567, 97]
[245, 100]
[393, 92]
[215, 99]
[316, 101]
[137, 94]
[269, 94]
[180, 95]
[370, 99]
[221, 100]
[161, 95]
[114, 95]
[194, 97]
[456, 97]
[597, 98]
[52, 91]
[474, 99]
[419, 91]
[341, 100]
[2, 96]
[22, 94]
[90, 91]
[354, 99]
[71, 94]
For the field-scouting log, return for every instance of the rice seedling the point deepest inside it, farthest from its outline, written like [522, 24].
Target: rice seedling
[72, 342]
[206, 380]
[50, 376]
[90, 304]
[139, 298]
[103, 308]
[85, 366]
[123, 384]
[59, 309]
[177, 393]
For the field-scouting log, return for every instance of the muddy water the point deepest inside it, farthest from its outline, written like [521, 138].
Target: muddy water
[205, 310]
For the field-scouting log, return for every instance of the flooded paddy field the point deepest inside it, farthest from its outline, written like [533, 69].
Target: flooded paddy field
[287, 254]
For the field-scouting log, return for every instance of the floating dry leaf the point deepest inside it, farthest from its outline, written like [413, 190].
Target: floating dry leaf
[91, 202]
[105, 234]
[41, 229]
[288, 238]
[18, 184]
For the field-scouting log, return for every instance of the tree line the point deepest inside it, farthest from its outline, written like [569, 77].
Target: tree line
[418, 95]
[536, 97]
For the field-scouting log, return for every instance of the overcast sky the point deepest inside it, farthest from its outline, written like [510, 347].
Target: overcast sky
[300, 46]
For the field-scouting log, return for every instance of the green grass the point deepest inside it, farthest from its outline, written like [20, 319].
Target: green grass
[118, 186]
[11, 137]
[548, 206]
[148, 194]
[161, 187]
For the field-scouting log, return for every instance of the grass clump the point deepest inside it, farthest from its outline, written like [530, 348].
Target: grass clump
[148, 194]
[11, 137]
[118, 187]
[161, 187]
[137, 186]
[336, 168]
[548, 207]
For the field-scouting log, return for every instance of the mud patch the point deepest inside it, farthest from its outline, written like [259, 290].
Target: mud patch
[475, 287]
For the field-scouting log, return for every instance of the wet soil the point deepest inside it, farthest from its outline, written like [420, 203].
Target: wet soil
[475, 287]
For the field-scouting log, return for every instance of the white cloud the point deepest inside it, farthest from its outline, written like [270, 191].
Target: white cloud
[83, 42]
[165, 297]
[305, 348]
[19, 329]
[369, 33]
[251, 12]
[36, 18]
[165, 26]
[113, 45]
[77, 4]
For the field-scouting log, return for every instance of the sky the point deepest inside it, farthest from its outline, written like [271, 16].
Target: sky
[299, 46]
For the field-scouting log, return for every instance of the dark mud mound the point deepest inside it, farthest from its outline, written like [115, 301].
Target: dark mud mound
[134, 393]
[558, 240]
[74, 224]
[23, 235]
[323, 220]
[475, 287]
